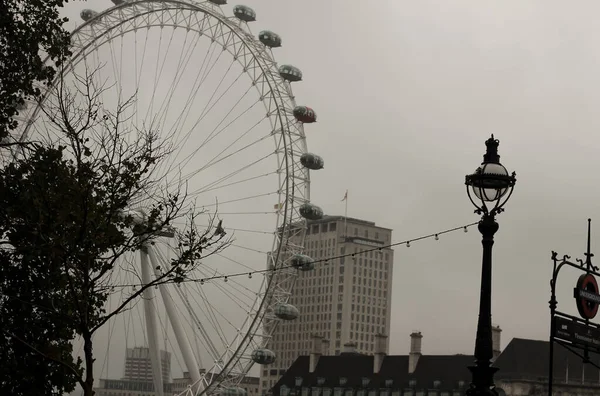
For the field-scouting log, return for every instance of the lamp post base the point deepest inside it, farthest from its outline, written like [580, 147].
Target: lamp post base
[483, 381]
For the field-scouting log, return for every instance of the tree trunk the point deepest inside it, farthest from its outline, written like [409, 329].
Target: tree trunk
[88, 388]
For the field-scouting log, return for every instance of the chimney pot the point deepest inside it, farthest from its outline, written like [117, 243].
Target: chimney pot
[316, 352]
[496, 337]
[325, 346]
[381, 348]
[415, 351]
[349, 347]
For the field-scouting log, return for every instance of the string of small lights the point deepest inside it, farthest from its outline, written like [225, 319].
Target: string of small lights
[324, 261]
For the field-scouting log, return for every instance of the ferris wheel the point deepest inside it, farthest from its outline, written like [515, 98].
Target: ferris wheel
[215, 92]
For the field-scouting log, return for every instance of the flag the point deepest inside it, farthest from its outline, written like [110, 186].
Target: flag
[345, 196]
[278, 206]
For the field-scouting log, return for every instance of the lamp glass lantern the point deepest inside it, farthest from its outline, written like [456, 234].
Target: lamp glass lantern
[490, 186]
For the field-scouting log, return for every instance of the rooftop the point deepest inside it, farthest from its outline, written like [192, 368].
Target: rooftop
[329, 219]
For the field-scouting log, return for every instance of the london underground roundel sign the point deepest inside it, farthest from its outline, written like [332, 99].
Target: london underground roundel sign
[586, 296]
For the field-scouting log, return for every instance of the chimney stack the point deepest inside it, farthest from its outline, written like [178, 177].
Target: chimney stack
[349, 347]
[325, 346]
[496, 330]
[415, 351]
[381, 348]
[316, 352]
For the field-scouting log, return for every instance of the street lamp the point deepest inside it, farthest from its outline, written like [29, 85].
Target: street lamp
[489, 188]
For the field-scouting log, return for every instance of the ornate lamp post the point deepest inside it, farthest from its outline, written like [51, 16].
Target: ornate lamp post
[491, 186]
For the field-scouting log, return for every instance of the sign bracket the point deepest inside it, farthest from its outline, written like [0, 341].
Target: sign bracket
[570, 331]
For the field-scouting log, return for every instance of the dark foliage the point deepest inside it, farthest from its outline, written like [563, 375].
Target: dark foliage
[27, 27]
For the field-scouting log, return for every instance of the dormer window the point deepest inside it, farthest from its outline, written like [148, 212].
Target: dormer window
[461, 384]
[365, 381]
[388, 383]
[298, 381]
[436, 384]
[343, 381]
[284, 390]
[412, 383]
[320, 381]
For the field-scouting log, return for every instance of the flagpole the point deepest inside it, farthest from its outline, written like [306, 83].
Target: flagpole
[346, 217]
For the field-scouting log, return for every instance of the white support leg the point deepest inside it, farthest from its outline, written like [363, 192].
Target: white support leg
[151, 324]
[180, 336]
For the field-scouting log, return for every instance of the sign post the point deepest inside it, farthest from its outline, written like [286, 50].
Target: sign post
[572, 332]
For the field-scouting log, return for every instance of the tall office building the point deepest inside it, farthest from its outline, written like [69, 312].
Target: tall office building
[345, 300]
[138, 366]
[137, 379]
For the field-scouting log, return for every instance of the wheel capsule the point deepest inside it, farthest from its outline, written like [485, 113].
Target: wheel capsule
[302, 262]
[244, 13]
[305, 114]
[311, 212]
[270, 39]
[263, 356]
[312, 161]
[88, 14]
[286, 311]
[290, 73]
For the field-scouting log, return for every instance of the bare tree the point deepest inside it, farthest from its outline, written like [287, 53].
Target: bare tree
[85, 196]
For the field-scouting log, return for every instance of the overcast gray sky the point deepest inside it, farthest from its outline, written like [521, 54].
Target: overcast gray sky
[406, 93]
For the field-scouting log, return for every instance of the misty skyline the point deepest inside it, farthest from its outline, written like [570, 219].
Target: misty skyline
[406, 94]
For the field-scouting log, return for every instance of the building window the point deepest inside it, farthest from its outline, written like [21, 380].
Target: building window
[461, 384]
[365, 381]
[284, 390]
[436, 384]
[388, 383]
[298, 381]
[326, 391]
[332, 226]
[343, 381]
[412, 383]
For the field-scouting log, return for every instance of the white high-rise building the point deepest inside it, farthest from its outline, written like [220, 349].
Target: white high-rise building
[137, 379]
[138, 365]
[345, 300]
